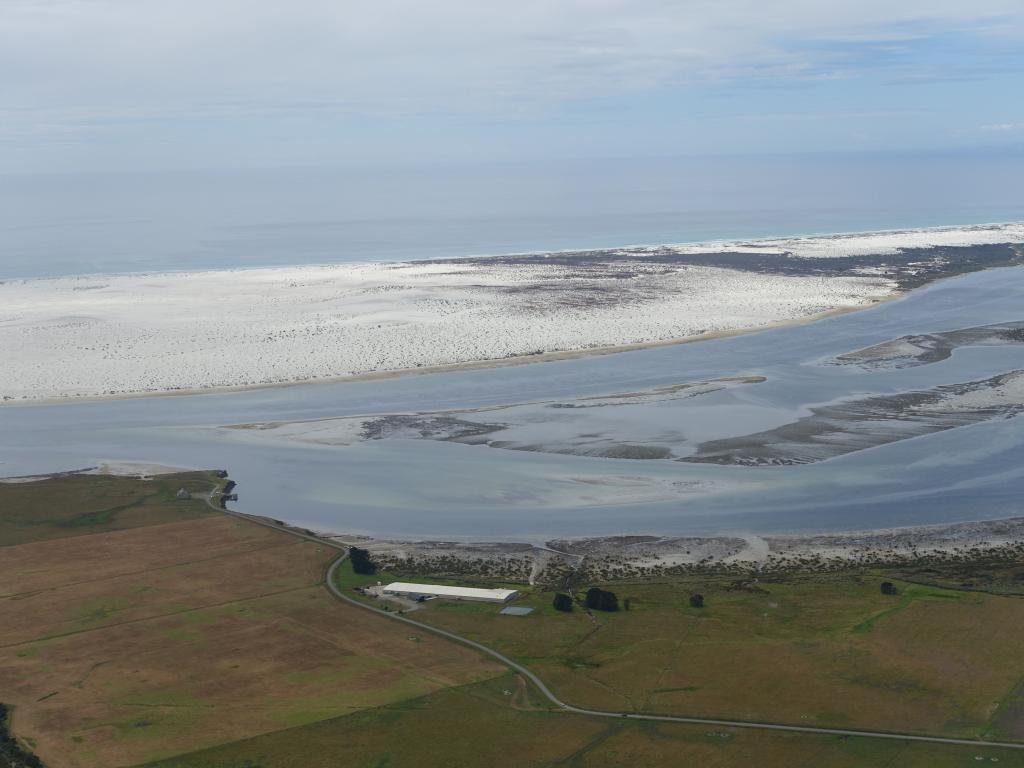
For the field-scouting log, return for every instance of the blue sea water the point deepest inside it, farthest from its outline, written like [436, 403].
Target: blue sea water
[63, 224]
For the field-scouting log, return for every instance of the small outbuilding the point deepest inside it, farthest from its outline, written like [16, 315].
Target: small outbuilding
[183, 495]
[516, 610]
[426, 591]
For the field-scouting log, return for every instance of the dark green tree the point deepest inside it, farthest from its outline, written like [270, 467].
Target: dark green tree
[888, 588]
[361, 562]
[696, 600]
[562, 602]
[601, 600]
[609, 601]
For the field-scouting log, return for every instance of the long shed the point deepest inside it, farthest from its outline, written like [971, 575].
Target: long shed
[414, 591]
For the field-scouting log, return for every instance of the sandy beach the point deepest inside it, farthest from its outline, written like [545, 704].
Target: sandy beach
[183, 333]
[505, 362]
[633, 556]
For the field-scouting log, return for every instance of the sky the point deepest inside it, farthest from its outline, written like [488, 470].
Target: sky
[135, 85]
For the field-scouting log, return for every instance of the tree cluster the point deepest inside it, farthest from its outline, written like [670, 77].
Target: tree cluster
[361, 562]
[696, 600]
[601, 600]
[888, 588]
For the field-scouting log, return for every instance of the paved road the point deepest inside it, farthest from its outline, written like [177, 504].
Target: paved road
[332, 587]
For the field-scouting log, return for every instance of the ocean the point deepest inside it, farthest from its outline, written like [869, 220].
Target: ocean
[87, 223]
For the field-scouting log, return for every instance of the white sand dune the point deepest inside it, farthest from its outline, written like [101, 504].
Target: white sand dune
[864, 243]
[148, 333]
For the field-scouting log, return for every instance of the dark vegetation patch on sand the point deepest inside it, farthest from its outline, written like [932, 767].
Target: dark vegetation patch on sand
[965, 553]
[909, 267]
[424, 427]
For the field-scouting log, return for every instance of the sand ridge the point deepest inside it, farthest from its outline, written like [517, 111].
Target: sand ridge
[109, 336]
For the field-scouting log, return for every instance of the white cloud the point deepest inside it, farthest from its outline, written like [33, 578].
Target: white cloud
[1003, 128]
[92, 60]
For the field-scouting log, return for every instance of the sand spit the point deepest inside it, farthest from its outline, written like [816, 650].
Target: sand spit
[122, 335]
[37, 478]
[617, 557]
[924, 349]
[121, 468]
[136, 469]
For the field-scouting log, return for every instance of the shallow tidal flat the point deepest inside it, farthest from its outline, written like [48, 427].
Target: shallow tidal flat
[623, 425]
[644, 425]
[98, 336]
[834, 430]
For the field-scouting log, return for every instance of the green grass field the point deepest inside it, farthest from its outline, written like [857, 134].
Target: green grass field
[825, 650]
[497, 724]
[78, 505]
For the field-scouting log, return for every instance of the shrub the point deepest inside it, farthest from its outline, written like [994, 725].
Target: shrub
[562, 602]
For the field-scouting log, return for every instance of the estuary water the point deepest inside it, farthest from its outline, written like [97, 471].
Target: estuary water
[437, 490]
